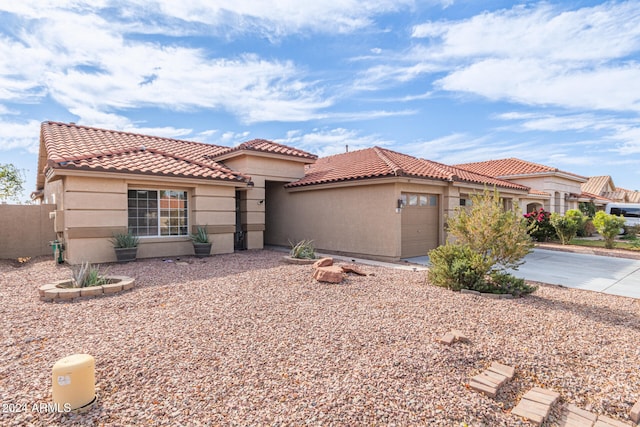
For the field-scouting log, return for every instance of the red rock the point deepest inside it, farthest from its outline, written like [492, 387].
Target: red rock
[323, 262]
[352, 268]
[331, 274]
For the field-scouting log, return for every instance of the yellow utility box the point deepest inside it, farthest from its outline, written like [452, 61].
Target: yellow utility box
[74, 382]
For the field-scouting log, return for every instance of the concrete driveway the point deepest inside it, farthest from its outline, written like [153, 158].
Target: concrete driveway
[617, 276]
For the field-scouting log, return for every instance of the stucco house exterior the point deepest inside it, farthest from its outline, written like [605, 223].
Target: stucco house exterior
[374, 202]
[105, 182]
[551, 188]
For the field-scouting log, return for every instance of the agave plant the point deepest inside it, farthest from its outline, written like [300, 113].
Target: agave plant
[201, 235]
[303, 249]
[125, 240]
[86, 275]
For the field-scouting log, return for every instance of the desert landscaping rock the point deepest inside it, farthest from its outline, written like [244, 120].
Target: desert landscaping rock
[244, 339]
[323, 262]
[331, 274]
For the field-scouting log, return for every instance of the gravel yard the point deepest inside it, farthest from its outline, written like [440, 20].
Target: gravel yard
[244, 339]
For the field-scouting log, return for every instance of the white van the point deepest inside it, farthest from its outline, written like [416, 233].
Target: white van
[630, 212]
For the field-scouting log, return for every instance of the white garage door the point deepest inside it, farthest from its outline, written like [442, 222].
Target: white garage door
[419, 224]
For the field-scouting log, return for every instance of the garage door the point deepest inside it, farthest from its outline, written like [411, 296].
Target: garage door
[419, 224]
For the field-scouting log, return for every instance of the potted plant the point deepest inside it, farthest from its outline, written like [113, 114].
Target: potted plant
[126, 246]
[201, 242]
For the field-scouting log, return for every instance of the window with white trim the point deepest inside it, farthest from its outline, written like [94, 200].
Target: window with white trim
[158, 212]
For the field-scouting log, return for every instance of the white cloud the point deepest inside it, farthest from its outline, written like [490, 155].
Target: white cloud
[605, 31]
[325, 142]
[95, 75]
[279, 17]
[611, 133]
[541, 55]
[536, 83]
[19, 135]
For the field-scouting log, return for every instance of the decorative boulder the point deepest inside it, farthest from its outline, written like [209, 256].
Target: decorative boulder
[352, 268]
[323, 262]
[330, 274]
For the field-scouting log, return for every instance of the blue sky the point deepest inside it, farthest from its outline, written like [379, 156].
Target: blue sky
[556, 82]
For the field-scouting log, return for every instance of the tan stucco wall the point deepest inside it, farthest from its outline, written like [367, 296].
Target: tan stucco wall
[358, 220]
[91, 210]
[261, 169]
[26, 230]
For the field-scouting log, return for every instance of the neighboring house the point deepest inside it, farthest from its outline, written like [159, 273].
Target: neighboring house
[551, 188]
[105, 182]
[375, 203]
[604, 191]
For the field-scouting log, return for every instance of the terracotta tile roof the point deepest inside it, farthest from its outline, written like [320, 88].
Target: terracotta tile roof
[149, 161]
[598, 185]
[504, 168]
[379, 162]
[82, 147]
[595, 197]
[266, 146]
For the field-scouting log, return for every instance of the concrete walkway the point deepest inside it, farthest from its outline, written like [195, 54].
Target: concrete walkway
[617, 276]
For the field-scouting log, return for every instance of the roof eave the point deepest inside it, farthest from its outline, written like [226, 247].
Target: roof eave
[259, 153]
[57, 172]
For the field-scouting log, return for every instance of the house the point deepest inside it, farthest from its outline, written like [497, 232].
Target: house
[551, 188]
[376, 203]
[105, 182]
[604, 191]
[373, 202]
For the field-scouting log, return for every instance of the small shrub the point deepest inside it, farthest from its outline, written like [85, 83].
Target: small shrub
[201, 235]
[456, 267]
[504, 283]
[125, 240]
[499, 235]
[568, 225]
[86, 275]
[588, 209]
[587, 229]
[631, 231]
[608, 226]
[539, 225]
[303, 249]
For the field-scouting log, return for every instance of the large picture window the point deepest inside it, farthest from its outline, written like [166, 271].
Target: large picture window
[158, 212]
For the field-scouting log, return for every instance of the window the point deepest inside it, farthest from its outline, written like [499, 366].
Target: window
[158, 212]
[409, 199]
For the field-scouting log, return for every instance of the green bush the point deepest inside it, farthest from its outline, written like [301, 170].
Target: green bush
[303, 249]
[456, 267]
[567, 226]
[499, 235]
[608, 226]
[503, 283]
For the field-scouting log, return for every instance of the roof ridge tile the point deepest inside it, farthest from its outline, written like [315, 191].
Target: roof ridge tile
[397, 170]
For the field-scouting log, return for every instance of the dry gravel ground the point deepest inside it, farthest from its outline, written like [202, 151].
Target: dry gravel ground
[243, 339]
